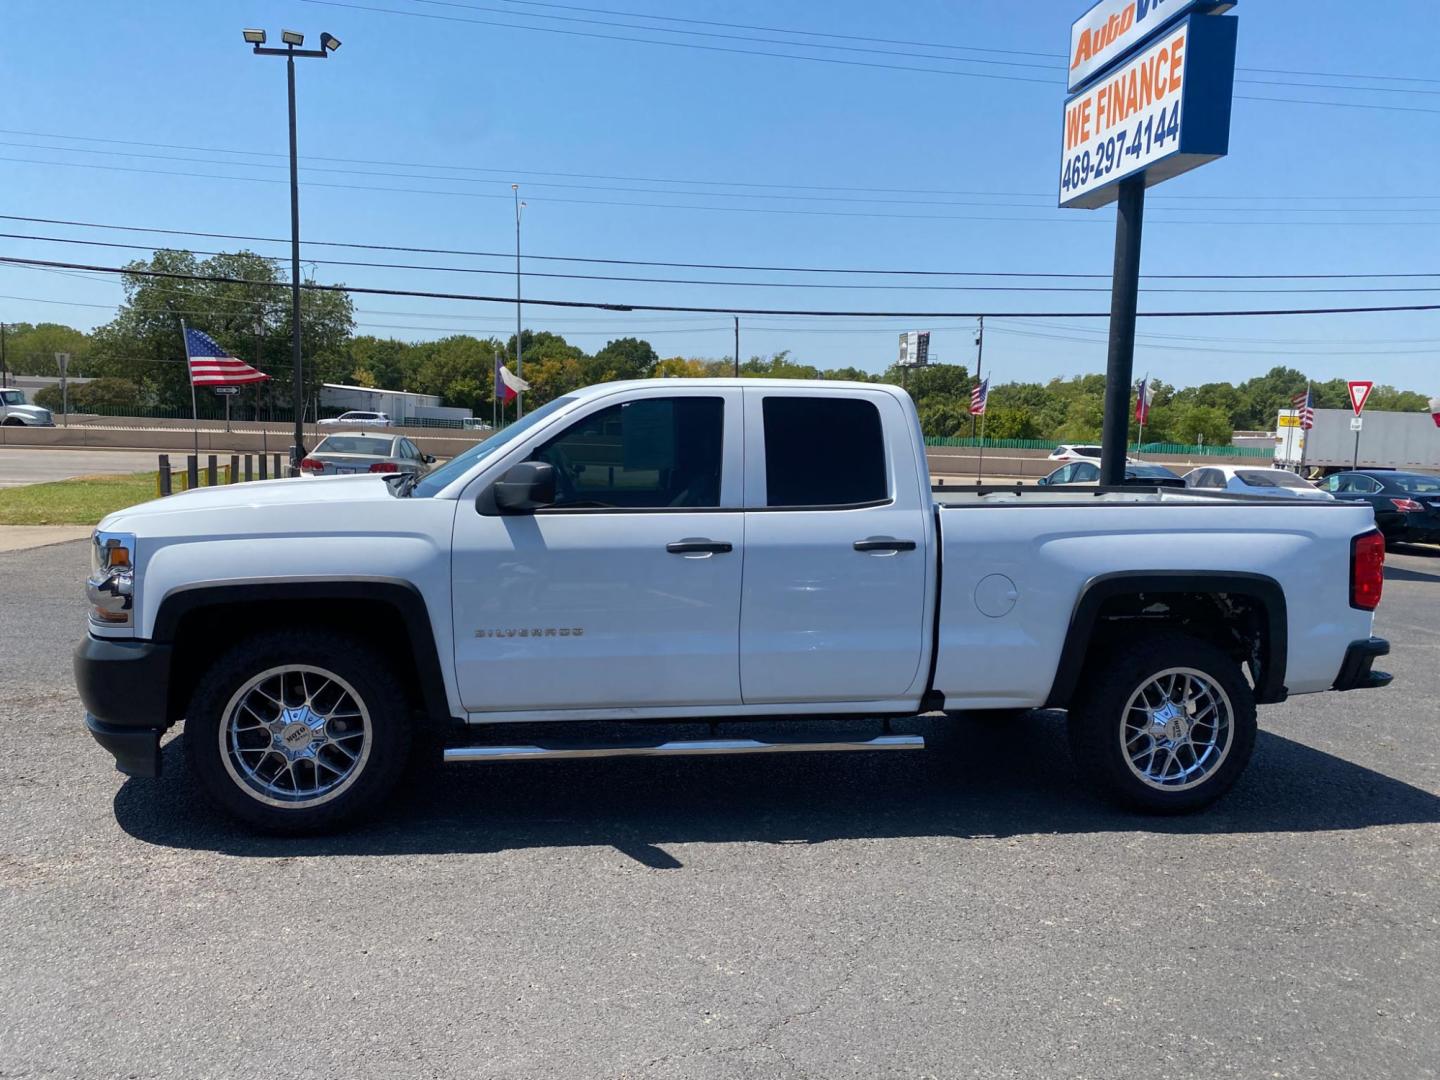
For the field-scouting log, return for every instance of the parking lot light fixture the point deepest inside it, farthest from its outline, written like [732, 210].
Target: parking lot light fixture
[330, 43]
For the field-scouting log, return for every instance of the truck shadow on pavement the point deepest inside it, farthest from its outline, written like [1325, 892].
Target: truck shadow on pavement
[973, 781]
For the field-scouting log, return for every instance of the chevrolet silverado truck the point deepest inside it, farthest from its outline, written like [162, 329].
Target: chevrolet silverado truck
[716, 550]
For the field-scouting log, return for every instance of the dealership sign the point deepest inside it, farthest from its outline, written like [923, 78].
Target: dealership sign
[1113, 29]
[1163, 112]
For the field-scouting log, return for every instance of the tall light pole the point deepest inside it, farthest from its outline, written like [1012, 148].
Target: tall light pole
[328, 44]
[519, 353]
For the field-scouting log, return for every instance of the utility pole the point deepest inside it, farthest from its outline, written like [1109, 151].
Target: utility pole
[979, 365]
[737, 346]
[519, 355]
[1124, 297]
[4, 370]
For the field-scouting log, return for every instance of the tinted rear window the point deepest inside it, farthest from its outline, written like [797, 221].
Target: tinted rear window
[354, 444]
[1417, 485]
[1088, 451]
[823, 451]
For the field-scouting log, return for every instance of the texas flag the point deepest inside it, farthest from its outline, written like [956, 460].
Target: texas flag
[1435, 410]
[1143, 401]
[507, 384]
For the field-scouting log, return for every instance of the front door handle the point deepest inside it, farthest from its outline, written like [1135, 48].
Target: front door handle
[700, 546]
[884, 543]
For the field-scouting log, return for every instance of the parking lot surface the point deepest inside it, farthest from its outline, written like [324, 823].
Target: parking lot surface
[967, 911]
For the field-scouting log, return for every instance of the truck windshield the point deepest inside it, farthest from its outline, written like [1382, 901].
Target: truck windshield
[461, 463]
[12, 397]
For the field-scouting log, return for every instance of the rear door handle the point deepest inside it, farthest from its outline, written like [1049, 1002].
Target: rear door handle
[884, 543]
[700, 547]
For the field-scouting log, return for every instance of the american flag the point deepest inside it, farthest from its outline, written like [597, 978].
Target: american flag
[1305, 405]
[210, 365]
[979, 398]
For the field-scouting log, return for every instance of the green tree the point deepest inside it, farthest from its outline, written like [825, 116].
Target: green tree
[249, 316]
[625, 358]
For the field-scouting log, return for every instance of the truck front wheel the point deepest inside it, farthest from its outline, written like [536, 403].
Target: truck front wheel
[297, 731]
[1165, 724]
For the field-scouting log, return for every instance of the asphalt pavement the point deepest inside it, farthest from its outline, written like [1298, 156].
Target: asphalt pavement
[39, 466]
[963, 912]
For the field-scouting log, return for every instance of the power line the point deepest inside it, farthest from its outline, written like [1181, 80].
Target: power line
[849, 286]
[1074, 220]
[679, 44]
[700, 194]
[811, 59]
[706, 266]
[510, 174]
[1056, 67]
[612, 306]
[922, 44]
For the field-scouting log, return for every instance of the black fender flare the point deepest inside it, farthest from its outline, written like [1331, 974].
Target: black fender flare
[395, 593]
[1083, 620]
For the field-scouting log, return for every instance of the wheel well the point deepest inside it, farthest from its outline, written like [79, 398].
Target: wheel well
[209, 626]
[1246, 618]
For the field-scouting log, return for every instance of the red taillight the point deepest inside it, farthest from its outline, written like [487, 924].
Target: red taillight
[1367, 570]
[384, 466]
[311, 465]
[1408, 506]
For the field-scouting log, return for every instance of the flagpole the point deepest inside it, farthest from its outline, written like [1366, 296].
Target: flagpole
[1144, 410]
[1304, 442]
[190, 374]
[980, 469]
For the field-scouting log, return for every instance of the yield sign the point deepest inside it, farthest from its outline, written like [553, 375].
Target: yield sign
[1359, 394]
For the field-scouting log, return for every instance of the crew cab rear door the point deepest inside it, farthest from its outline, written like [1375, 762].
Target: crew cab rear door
[838, 547]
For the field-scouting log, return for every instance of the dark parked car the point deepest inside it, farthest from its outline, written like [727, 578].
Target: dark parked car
[1407, 505]
[1137, 474]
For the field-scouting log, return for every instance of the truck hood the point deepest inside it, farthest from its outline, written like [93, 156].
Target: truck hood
[262, 497]
[35, 412]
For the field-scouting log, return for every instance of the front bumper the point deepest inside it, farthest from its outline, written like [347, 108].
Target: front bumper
[125, 688]
[1356, 673]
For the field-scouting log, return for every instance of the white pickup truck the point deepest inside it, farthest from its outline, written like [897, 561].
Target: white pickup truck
[722, 550]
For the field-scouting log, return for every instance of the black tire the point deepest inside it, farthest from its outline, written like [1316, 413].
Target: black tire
[10, 421]
[1099, 712]
[353, 668]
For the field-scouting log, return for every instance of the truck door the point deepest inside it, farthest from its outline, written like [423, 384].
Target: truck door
[626, 592]
[837, 547]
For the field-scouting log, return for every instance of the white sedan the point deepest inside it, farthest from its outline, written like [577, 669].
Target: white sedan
[369, 419]
[1244, 480]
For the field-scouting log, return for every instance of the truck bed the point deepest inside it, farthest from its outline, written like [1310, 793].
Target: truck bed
[1011, 581]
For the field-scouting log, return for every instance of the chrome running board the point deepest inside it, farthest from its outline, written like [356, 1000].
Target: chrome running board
[679, 748]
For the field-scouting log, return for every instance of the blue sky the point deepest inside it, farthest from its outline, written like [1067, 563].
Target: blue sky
[774, 162]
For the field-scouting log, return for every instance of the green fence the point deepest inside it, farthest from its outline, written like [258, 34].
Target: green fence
[1177, 449]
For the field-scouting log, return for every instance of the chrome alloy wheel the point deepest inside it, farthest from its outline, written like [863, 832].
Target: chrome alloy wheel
[295, 736]
[1177, 729]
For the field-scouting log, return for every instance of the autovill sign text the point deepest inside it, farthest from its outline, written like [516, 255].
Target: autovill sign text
[1113, 29]
[1163, 112]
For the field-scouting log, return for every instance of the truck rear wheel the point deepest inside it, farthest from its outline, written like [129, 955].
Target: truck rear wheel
[1166, 723]
[298, 731]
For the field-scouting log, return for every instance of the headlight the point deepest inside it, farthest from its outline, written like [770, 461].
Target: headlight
[111, 585]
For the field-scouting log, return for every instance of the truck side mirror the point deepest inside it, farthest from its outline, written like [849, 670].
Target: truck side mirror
[525, 488]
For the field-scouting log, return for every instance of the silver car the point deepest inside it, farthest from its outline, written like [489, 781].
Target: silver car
[358, 417]
[365, 451]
